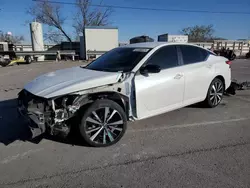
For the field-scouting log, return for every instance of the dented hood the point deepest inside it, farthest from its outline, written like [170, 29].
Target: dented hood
[70, 80]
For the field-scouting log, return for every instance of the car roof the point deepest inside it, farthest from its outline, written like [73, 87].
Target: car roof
[155, 44]
[145, 45]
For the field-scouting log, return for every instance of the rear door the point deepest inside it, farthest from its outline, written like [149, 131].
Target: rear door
[198, 73]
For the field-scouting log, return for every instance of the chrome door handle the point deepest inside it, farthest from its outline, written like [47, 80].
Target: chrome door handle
[178, 76]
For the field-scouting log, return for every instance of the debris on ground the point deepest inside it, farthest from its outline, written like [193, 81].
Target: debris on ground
[235, 85]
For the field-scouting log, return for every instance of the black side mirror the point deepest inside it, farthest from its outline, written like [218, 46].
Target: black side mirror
[150, 69]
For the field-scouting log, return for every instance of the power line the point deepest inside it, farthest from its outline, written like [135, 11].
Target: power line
[150, 9]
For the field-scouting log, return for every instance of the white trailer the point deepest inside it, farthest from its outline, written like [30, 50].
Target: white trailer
[98, 39]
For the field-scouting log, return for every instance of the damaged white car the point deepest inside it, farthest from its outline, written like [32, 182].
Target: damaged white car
[127, 83]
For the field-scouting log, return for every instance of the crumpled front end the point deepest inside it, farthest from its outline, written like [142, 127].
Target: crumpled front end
[50, 115]
[33, 109]
[56, 115]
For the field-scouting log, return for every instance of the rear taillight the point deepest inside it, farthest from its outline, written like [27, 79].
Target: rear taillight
[229, 62]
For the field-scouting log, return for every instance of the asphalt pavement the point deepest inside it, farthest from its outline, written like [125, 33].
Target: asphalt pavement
[189, 147]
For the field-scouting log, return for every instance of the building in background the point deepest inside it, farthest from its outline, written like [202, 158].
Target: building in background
[70, 46]
[173, 38]
[4, 46]
[97, 41]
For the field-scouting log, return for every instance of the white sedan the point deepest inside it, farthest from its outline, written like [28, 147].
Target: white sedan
[128, 83]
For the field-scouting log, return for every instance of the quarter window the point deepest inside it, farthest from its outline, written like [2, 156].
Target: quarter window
[165, 57]
[192, 54]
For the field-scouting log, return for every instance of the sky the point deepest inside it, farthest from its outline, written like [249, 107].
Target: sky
[131, 23]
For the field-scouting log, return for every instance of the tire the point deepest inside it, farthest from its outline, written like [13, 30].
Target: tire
[99, 134]
[28, 59]
[213, 98]
[233, 57]
[6, 63]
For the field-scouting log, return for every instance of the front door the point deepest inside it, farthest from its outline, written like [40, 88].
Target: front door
[157, 93]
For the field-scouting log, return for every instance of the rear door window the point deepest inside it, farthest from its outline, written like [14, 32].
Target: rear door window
[192, 54]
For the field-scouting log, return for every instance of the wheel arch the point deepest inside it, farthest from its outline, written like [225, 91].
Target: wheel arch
[220, 77]
[120, 99]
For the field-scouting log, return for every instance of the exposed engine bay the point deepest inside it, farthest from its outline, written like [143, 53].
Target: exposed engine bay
[48, 115]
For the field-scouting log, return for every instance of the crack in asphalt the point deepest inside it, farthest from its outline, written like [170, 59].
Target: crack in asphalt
[128, 163]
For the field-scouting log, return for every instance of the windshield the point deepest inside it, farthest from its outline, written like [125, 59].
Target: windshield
[119, 59]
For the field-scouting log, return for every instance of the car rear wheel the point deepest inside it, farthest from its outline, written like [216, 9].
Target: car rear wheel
[103, 123]
[215, 93]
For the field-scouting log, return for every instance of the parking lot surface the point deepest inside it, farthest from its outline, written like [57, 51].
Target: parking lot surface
[190, 147]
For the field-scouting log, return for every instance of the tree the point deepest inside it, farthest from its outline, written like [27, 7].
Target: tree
[198, 33]
[219, 38]
[49, 14]
[86, 16]
[55, 37]
[5, 37]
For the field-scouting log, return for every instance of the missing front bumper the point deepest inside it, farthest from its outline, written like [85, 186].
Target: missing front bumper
[41, 117]
[35, 121]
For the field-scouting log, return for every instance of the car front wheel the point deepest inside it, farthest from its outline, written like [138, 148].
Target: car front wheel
[215, 93]
[103, 123]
